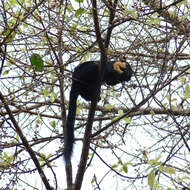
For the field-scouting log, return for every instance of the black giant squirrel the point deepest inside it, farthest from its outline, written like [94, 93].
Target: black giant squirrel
[84, 83]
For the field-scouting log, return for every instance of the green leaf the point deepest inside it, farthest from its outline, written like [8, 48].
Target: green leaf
[109, 107]
[11, 35]
[6, 72]
[172, 14]
[73, 28]
[115, 118]
[157, 20]
[120, 112]
[152, 162]
[149, 22]
[152, 112]
[5, 161]
[53, 96]
[125, 169]
[127, 119]
[132, 12]
[180, 3]
[168, 97]
[93, 180]
[78, 111]
[155, 161]
[79, 12]
[182, 79]
[187, 92]
[37, 62]
[169, 170]
[4, 165]
[48, 62]
[53, 123]
[79, 1]
[6, 6]
[6, 32]
[13, 2]
[45, 92]
[151, 178]
[114, 166]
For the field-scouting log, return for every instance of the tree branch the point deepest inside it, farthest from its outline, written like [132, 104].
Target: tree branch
[25, 143]
[88, 131]
[182, 24]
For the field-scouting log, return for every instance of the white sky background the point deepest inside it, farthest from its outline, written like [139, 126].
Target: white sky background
[139, 140]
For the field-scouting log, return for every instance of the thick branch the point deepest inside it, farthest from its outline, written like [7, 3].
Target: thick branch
[88, 131]
[111, 24]
[25, 143]
[182, 24]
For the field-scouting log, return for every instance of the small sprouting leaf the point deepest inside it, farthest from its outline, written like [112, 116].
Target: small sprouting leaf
[125, 167]
[79, 12]
[151, 178]
[53, 123]
[48, 62]
[109, 107]
[53, 97]
[115, 118]
[127, 120]
[172, 14]
[180, 4]
[6, 6]
[37, 62]
[157, 20]
[120, 112]
[4, 165]
[46, 92]
[93, 180]
[13, 2]
[114, 166]
[5, 161]
[152, 112]
[78, 111]
[79, 1]
[169, 170]
[168, 97]
[10, 34]
[182, 79]
[73, 27]
[6, 72]
[150, 22]
[187, 92]
[133, 13]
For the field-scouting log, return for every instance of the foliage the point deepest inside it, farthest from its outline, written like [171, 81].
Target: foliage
[37, 62]
[140, 134]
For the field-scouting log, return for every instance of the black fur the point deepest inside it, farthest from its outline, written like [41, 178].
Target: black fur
[84, 83]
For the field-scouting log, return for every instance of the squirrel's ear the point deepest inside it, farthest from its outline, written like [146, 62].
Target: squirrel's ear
[123, 58]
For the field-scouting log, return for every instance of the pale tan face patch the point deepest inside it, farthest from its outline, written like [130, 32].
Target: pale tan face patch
[118, 65]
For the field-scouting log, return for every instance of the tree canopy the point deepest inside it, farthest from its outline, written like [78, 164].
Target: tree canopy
[137, 136]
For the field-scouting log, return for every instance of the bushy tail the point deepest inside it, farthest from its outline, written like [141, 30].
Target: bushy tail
[69, 130]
